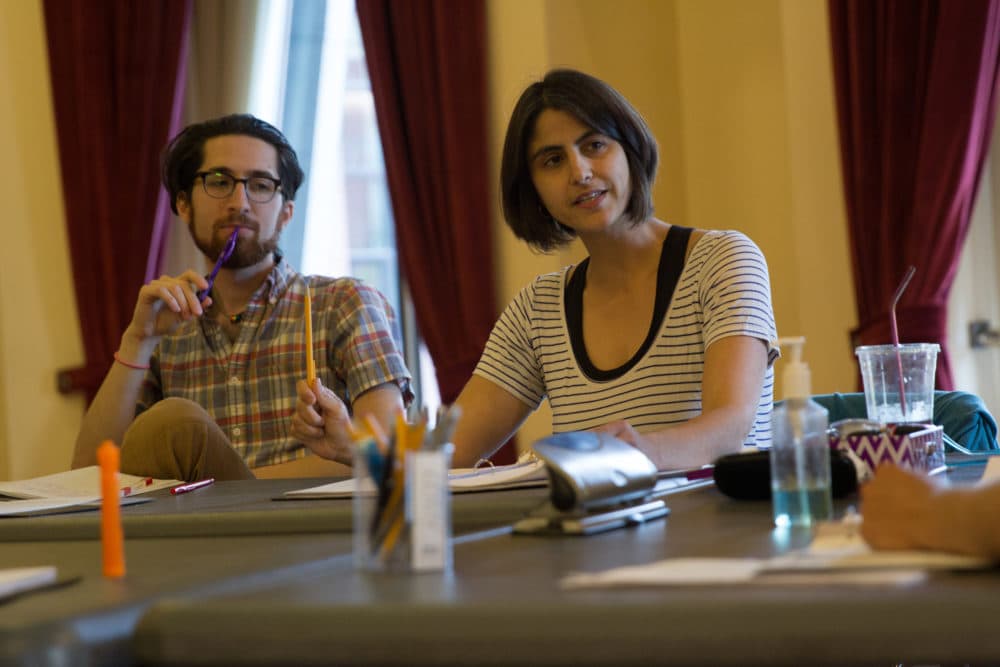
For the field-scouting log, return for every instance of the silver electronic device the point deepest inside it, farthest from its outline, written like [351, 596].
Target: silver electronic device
[597, 482]
[590, 470]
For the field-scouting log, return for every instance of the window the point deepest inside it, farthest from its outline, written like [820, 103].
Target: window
[311, 80]
[974, 296]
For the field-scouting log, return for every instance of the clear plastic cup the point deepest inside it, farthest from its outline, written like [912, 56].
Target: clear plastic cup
[880, 373]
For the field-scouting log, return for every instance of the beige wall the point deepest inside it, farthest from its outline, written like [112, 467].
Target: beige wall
[38, 323]
[738, 94]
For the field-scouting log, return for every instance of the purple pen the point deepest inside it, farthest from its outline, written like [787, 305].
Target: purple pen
[226, 253]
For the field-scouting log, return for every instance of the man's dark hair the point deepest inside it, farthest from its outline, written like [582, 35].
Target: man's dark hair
[183, 156]
[601, 108]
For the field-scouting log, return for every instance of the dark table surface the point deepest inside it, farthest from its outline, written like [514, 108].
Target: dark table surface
[504, 604]
[253, 507]
[202, 541]
[227, 574]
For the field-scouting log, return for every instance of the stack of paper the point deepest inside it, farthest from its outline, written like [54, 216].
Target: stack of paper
[80, 483]
[524, 474]
[72, 490]
[838, 555]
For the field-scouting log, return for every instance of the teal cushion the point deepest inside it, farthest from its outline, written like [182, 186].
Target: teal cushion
[963, 417]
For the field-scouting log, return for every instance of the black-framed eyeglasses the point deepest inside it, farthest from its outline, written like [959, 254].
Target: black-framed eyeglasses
[219, 184]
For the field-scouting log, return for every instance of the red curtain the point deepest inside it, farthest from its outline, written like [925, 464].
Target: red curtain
[115, 67]
[916, 88]
[427, 64]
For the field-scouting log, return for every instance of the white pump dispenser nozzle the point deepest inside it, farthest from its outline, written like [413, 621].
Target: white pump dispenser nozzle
[796, 377]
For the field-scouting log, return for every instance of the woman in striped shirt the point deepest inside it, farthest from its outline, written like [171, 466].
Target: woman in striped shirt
[660, 337]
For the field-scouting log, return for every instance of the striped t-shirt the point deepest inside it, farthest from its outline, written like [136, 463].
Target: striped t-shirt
[723, 291]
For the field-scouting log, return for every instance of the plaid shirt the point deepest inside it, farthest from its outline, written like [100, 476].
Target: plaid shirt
[248, 385]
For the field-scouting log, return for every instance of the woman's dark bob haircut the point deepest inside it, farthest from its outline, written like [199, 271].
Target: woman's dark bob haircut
[182, 157]
[601, 108]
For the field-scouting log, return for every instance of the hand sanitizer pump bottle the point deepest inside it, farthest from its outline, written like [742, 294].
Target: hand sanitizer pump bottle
[800, 452]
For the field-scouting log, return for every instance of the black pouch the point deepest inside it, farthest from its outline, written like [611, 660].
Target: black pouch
[748, 476]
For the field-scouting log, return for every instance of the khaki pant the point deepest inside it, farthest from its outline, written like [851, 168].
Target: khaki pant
[178, 439]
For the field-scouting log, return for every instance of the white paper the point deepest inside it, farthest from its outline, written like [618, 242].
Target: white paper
[82, 482]
[28, 506]
[515, 475]
[853, 553]
[903, 577]
[524, 473]
[671, 572]
[836, 556]
[19, 579]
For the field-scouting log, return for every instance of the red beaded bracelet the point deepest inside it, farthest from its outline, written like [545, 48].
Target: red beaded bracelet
[138, 367]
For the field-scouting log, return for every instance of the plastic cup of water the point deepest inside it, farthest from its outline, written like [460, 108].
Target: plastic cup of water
[880, 374]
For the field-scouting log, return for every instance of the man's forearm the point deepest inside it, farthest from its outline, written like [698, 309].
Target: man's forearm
[110, 414]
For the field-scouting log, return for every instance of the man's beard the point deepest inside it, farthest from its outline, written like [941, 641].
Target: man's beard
[248, 251]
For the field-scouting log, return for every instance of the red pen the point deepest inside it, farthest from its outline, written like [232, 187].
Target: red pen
[184, 488]
[701, 473]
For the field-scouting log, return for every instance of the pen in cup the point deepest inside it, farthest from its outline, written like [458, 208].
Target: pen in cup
[184, 488]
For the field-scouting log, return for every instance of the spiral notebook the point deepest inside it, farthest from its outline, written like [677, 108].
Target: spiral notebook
[524, 474]
[527, 473]
[80, 483]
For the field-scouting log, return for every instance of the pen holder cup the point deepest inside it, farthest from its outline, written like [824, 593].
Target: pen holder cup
[402, 516]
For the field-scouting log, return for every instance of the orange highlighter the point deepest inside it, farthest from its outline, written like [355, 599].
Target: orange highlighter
[112, 539]
[310, 362]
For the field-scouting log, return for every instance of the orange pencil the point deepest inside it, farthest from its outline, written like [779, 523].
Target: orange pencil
[391, 537]
[310, 362]
[112, 539]
[377, 432]
[409, 438]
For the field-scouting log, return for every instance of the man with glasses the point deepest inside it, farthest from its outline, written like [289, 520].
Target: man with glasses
[206, 386]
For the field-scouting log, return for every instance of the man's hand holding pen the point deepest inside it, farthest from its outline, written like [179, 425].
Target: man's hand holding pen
[162, 305]
[322, 422]
[168, 301]
[165, 303]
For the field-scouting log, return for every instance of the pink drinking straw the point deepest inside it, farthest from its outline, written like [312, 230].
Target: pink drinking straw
[895, 334]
